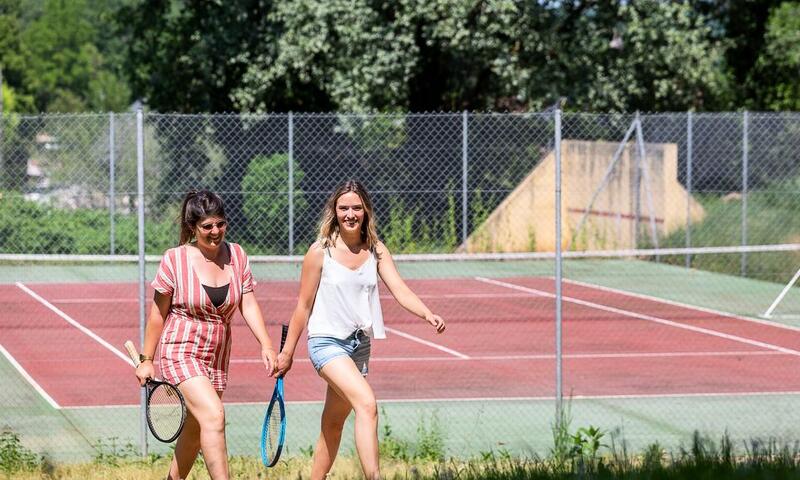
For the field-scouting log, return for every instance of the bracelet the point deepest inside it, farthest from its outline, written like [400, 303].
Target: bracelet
[144, 358]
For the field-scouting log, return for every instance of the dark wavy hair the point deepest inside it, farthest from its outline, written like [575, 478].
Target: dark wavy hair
[197, 205]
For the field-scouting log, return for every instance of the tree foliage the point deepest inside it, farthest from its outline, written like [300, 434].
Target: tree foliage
[189, 56]
[646, 55]
[776, 77]
[450, 55]
[266, 202]
[405, 55]
[52, 57]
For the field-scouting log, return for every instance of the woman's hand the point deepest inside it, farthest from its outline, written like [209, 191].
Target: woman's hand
[144, 371]
[284, 363]
[268, 356]
[436, 321]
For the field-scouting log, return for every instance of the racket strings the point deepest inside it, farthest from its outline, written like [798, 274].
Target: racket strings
[165, 412]
[271, 440]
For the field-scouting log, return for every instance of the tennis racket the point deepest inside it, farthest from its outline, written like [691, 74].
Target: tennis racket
[273, 431]
[165, 407]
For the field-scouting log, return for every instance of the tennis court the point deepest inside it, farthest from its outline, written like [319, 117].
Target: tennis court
[650, 351]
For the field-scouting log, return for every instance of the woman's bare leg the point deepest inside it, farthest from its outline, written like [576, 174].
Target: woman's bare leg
[334, 414]
[207, 433]
[345, 379]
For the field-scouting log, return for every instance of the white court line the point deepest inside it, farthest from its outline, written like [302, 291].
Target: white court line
[578, 356]
[294, 298]
[75, 324]
[30, 379]
[593, 397]
[94, 300]
[642, 316]
[425, 342]
[649, 396]
[125, 357]
[683, 305]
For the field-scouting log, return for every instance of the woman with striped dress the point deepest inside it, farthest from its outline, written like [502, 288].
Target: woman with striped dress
[340, 303]
[199, 286]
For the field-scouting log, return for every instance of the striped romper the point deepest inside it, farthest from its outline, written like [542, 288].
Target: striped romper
[196, 339]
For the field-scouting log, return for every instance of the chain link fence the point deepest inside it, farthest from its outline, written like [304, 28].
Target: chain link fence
[679, 230]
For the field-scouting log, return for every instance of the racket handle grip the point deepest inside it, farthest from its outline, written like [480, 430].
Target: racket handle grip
[284, 332]
[131, 349]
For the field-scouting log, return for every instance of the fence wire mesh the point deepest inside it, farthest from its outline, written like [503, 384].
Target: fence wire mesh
[679, 231]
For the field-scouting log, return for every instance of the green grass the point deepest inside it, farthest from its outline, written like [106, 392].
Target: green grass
[771, 219]
[585, 458]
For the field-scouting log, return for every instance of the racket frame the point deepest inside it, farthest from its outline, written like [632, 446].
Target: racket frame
[275, 402]
[150, 386]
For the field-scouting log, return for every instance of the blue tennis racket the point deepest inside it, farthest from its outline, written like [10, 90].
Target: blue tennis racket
[273, 431]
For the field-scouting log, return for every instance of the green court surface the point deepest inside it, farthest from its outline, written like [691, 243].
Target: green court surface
[468, 427]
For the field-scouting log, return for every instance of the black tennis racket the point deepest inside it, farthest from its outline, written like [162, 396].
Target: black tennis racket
[165, 406]
[273, 431]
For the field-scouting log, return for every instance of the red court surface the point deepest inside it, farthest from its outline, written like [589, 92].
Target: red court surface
[499, 343]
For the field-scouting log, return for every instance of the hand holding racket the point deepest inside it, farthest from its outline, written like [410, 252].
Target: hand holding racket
[165, 407]
[273, 431]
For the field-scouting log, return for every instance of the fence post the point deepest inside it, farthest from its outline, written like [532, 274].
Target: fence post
[2, 116]
[689, 146]
[291, 182]
[557, 149]
[464, 166]
[142, 287]
[646, 183]
[745, 159]
[111, 181]
[637, 194]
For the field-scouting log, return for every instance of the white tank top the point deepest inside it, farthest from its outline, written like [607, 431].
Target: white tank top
[347, 300]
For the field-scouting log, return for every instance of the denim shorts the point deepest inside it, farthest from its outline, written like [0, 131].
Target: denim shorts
[322, 350]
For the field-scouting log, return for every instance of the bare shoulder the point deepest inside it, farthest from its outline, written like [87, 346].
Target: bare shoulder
[381, 251]
[315, 253]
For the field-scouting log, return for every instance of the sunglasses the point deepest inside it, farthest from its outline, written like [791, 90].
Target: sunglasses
[207, 227]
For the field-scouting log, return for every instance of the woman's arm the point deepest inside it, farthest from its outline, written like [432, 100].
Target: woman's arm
[404, 296]
[152, 333]
[309, 281]
[255, 322]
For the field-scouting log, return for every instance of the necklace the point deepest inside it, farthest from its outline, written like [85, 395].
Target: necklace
[207, 259]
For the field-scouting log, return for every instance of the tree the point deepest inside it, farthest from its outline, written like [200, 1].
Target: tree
[739, 27]
[12, 59]
[646, 55]
[363, 55]
[65, 70]
[188, 57]
[451, 55]
[776, 77]
[266, 202]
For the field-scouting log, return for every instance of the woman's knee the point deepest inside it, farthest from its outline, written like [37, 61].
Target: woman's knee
[367, 407]
[212, 420]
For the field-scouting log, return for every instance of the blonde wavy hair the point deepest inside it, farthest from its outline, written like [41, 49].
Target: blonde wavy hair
[329, 225]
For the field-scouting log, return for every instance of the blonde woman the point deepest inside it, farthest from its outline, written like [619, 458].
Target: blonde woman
[339, 302]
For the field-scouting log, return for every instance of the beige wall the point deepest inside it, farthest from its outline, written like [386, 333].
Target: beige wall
[525, 220]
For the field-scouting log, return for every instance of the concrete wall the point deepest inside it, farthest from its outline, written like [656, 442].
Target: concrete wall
[525, 220]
